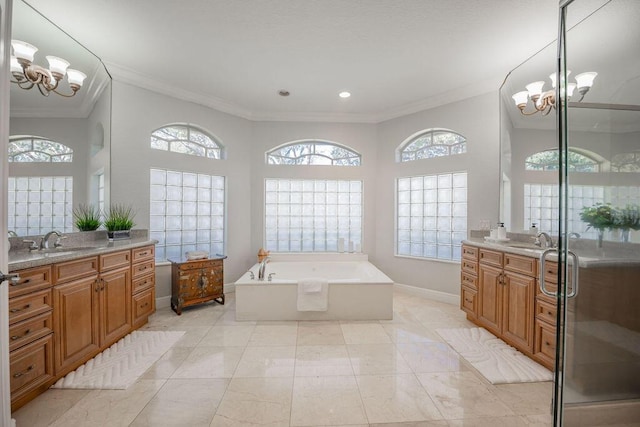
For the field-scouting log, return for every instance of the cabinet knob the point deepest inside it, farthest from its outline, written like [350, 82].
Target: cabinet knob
[26, 371]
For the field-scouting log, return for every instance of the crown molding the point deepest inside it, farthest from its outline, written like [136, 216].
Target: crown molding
[135, 78]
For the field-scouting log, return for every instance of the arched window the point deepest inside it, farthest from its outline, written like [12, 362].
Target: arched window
[311, 152]
[186, 139]
[626, 162]
[431, 143]
[33, 149]
[548, 160]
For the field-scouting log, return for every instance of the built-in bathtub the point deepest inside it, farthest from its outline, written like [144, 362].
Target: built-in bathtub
[357, 289]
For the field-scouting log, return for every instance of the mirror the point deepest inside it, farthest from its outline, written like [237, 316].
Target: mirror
[603, 134]
[44, 189]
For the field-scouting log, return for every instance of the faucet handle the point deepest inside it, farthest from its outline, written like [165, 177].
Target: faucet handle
[251, 275]
[58, 243]
[269, 278]
[33, 245]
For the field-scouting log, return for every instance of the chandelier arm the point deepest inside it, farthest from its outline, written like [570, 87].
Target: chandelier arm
[24, 84]
[64, 94]
[45, 92]
[524, 113]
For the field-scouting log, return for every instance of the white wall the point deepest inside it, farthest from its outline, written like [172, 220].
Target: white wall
[477, 120]
[138, 112]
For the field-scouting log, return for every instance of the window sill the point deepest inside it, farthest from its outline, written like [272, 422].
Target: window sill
[446, 261]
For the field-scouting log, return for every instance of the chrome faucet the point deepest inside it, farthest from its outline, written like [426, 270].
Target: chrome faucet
[574, 234]
[44, 243]
[262, 268]
[548, 240]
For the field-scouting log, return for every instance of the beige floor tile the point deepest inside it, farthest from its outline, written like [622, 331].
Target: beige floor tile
[192, 334]
[228, 336]
[255, 401]
[374, 359]
[271, 361]
[322, 360]
[110, 407]
[229, 318]
[200, 315]
[404, 333]
[265, 335]
[431, 357]
[49, 406]
[460, 395]
[440, 423]
[510, 421]
[326, 401]
[395, 398]
[540, 420]
[164, 367]
[320, 333]
[364, 333]
[526, 398]
[183, 403]
[210, 362]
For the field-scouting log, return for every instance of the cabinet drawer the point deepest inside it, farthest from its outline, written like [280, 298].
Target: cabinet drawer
[26, 306]
[468, 301]
[71, 270]
[144, 253]
[32, 279]
[545, 343]
[31, 366]
[520, 264]
[546, 311]
[143, 282]
[469, 280]
[115, 260]
[192, 265]
[470, 252]
[551, 272]
[550, 287]
[24, 332]
[491, 257]
[468, 266]
[143, 306]
[143, 268]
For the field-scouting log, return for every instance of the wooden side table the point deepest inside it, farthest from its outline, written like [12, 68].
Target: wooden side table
[196, 282]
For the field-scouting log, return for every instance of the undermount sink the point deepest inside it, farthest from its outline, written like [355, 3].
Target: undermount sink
[524, 245]
[62, 250]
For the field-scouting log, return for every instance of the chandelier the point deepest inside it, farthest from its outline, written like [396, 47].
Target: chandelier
[27, 75]
[544, 101]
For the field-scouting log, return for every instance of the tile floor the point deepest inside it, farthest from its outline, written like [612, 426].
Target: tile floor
[228, 373]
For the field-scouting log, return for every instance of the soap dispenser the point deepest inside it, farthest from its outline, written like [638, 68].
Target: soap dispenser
[502, 232]
[533, 229]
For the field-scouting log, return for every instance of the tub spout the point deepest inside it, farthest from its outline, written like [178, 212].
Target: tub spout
[262, 268]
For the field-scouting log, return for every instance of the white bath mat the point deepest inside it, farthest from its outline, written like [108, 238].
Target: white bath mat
[120, 365]
[497, 362]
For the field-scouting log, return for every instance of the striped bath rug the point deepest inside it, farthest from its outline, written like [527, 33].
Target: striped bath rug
[119, 366]
[493, 358]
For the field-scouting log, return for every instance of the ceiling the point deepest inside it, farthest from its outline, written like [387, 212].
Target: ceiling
[396, 57]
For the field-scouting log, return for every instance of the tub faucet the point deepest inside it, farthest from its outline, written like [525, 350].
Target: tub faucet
[44, 243]
[548, 240]
[262, 268]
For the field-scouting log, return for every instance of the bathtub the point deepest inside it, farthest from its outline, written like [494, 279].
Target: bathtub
[357, 289]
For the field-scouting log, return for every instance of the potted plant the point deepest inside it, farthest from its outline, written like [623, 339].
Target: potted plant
[626, 219]
[87, 217]
[600, 216]
[118, 220]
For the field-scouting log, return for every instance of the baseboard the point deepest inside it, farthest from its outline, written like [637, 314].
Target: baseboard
[164, 302]
[428, 293]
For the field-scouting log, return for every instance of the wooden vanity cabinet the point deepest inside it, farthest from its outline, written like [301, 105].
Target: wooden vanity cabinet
[506, 286]
[544, 348]
[143, 289]
[30, 335]
[469, 281]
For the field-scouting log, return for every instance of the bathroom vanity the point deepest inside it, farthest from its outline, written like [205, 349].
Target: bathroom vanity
[70, 304]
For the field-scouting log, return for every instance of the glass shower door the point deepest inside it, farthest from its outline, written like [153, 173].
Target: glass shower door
[598, 347]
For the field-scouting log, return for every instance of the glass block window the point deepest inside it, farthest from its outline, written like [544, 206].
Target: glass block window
[31, 149]
[186, 139]
[101, 192]
[549, 160]
[541, 204]
[431, 215]
[432, 143]
[39, 204]
[311, 215]
[626, 162]
[313, 153]
[186, 213]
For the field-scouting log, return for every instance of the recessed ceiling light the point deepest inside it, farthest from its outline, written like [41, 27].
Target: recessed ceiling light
[344, 94]
[283, 92]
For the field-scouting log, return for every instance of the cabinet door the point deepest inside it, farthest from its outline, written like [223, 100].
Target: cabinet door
[75, 321]
[490, 298]
[115, 305]
[517, 310]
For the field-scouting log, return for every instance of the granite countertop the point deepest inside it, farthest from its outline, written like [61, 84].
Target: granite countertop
[21, 259]
[610, 255]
